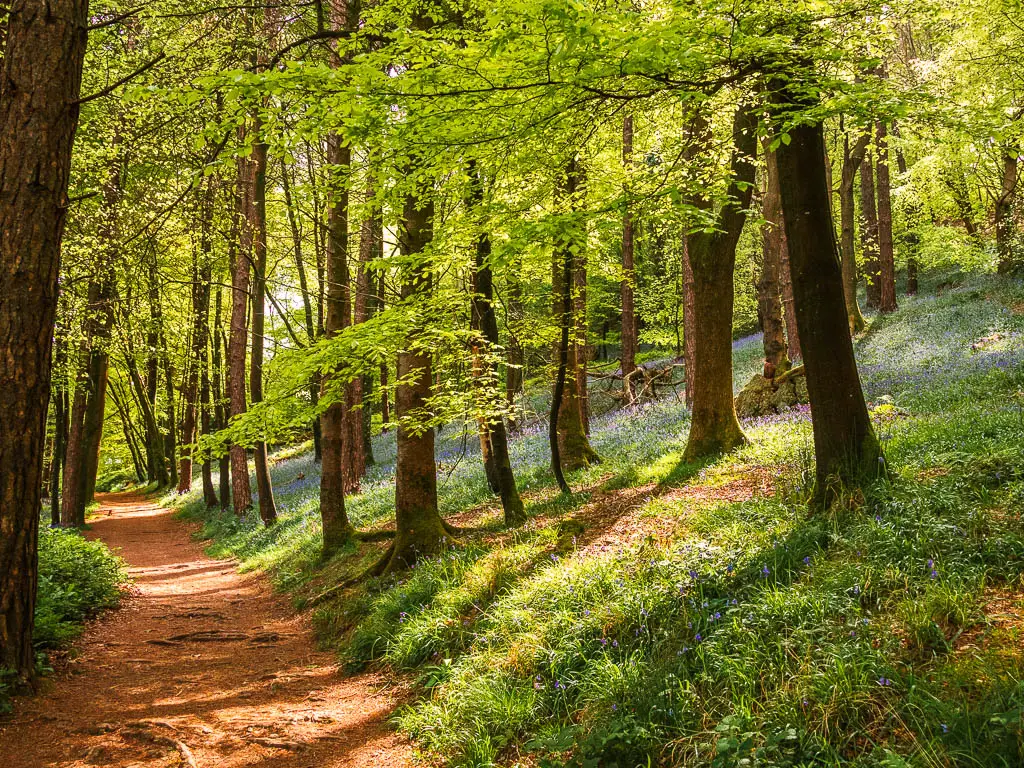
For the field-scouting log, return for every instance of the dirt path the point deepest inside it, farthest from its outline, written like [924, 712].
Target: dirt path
[241, 686]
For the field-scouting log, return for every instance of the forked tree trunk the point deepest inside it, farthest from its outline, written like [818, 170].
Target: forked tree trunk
[494, 437]
[886, 253]
[769, 285]
[257, 215]
[39, 88]
[239, 256]
[852, 160]
[846, 450]
[629, 337]
[869, 234]
[714, 428]
[574, 448]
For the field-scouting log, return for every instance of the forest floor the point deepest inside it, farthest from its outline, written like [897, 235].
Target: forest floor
[201, 666]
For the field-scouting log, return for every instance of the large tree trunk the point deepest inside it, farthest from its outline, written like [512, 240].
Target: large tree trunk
[574, 448]
[629, 336]
[39, 90]
[307, 303]
[845, 446]
[852, 159]
[886, 255]
[1008, 260]
[494, 437]
[769, 285]
[714, 428]
[869, 234]
[239, 256]
[257, 215]
[420, 531]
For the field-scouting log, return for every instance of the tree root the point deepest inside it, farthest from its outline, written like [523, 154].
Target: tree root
[143, 729]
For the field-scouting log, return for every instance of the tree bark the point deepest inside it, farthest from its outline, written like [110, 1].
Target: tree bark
[769, 285]
[1008, 260]
[629, 336]
[494, 437]
[846, 450]
[689, 322]
[714, 428]
[371, 248]
[219, 410]
[39, 89]
[869, 234]
[240, 252]
[912, 239]
[420, 531]
[514, 357]
[886, 254]
[574, 448]
[852, 160]
[257, 215]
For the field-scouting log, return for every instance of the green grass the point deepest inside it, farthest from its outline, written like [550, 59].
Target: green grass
[731, 628]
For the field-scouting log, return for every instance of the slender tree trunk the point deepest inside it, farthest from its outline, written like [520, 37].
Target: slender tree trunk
[154, 447]
[869, 234]
[126, 425]
[769, 286]
[1008, 260]
[39, 88]
[714, 428]
[307, 303]
[629, 336]
[912, 239]
[886, 255]
[188, 420]
[514, 356]
[574, 448]
[385, 407]
[240, 253]
[371, 248]
[258, 223]
[494, 437]
[219, 410]
[852, 160]
[170, 441]
[202, 332]
[846, 450]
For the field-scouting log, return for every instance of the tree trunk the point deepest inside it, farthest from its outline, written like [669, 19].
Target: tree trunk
[852, 160]
[493, 434]
[869, 234]
[769, 286]
[257, 215]
[714, 428]
[629, 337]
[689, 322]
[514, 357]
[1008, 260]
[307, 303]
[188, 419]
[574, 448]
[385, 408]
[240, 252]
[420, 531]
[219, 411]
[371, 248]
[886, 255]
[334, 480]
[845, 446]
[912, 239]
[39, 89]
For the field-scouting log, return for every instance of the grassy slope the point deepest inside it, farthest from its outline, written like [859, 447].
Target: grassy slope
[696, 615]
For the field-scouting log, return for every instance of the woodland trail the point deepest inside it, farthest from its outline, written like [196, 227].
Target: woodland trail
[201, 666]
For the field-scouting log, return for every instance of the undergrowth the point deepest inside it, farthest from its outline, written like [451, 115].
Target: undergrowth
[672, 614]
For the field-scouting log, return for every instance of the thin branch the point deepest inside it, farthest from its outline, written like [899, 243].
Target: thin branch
[117, 84]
